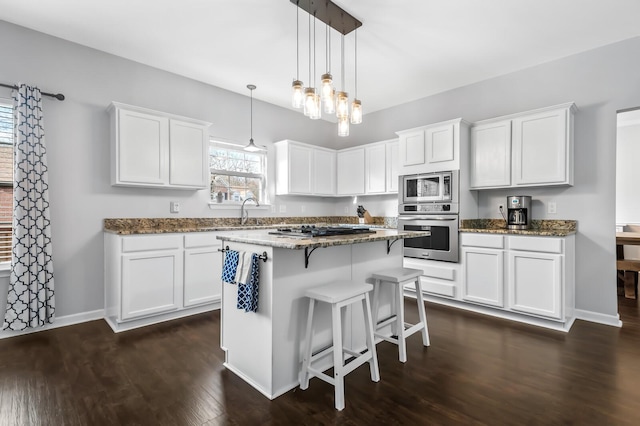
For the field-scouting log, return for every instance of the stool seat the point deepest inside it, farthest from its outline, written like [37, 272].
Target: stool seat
[397, 277]
[338, 291]
[338, 294]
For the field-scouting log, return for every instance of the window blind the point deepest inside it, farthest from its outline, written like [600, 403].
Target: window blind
[6, 178]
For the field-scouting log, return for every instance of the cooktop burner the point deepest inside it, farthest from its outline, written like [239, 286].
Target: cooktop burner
[307, 231]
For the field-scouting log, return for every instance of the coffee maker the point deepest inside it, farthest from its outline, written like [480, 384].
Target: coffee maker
[518, 212]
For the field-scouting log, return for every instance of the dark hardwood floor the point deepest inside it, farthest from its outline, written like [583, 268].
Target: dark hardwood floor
[478, 370]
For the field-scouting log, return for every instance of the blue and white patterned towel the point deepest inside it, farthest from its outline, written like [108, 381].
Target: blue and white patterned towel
[230, 266]
[248, 292]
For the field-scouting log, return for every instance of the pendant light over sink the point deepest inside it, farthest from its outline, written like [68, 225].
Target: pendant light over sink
[252, 147]
[308, 97]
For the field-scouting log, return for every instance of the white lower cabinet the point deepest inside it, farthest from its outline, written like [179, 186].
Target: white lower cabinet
[202, 268]
[524, 278]
[155, 277]
[150, 283]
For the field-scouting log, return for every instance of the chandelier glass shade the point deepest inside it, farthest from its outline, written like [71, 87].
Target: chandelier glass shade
[326, 97]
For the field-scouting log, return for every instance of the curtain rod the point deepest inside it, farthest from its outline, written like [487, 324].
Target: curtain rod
[58, 96]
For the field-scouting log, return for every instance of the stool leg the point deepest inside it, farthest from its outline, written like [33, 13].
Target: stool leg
[338, 374]
[371, 343]
[376, 301]
[402, 344]
[423, 314]
[306, 356]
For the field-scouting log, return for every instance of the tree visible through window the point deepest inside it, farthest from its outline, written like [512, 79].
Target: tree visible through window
[6, 178]
[236, 174]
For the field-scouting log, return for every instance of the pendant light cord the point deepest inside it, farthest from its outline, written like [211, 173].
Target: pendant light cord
[298, 40]
[342, 54]
[251, 125]
[356, 63]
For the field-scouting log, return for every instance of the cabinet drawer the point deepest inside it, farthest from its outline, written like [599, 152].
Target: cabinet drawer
[430, 270]
[542, 244]
[482, 240]
[151, 242]
[201, 239]
[442, 289]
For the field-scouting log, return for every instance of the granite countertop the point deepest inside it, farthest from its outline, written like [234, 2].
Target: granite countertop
[132, 226]
[280, 241]
[545, 228]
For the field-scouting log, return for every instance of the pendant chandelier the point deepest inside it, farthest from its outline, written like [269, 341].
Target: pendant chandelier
[252, 147]
[313, 101]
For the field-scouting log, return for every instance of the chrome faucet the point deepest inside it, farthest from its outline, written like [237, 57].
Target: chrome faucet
[244, 215]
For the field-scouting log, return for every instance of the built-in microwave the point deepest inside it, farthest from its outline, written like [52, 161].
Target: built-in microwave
[429, 187]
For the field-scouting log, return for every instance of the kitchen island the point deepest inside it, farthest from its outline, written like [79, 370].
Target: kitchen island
[264, 348]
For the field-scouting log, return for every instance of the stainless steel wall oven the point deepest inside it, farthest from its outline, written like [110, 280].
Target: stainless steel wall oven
[429, 202]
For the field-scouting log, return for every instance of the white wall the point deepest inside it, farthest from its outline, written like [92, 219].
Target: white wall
[77, 137]
[600, 82]
[77, 130]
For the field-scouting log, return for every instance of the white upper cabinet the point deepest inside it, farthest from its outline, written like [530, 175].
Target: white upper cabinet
[491, 155]
[528, 149]
[351, 171]
[324, 171]
[303, 169]
[431, 148]
[157, 150]
[542, 147]
[393, 164]
[375, 169]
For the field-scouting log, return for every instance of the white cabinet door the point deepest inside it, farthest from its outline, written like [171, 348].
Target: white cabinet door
[541, 148]
[299, 169]
[202, 275]
[440, 142]
[535, 283]
[393, 161]
[324, 172]
[202, 268]
[483, 276]
[141, 148]
[490, 156]
[375, 169]
[188, 159]
[351, 172]
[151, 283]
[412, 148]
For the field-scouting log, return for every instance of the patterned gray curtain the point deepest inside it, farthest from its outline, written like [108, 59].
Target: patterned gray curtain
[30, 302]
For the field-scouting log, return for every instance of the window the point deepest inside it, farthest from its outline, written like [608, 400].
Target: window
[236, 174]
[6, 178]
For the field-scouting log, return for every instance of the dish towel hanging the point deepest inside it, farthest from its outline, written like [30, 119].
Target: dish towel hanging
[248, 290]
[244, 267]
[230, 266]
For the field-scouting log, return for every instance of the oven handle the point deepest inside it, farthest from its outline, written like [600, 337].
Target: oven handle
[426, 218]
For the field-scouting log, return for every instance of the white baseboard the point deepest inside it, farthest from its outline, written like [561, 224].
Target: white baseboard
[612, 320]
[59, 322]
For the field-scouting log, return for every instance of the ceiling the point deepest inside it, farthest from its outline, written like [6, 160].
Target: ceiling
[407, 49]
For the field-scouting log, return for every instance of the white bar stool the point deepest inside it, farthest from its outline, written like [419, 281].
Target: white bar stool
[397, 277]
[339, 294]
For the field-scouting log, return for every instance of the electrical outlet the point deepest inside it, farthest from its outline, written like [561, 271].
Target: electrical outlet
[283, 208]
[551, 207]
[174, 207]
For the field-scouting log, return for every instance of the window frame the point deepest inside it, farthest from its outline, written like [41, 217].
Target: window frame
[218, 143]
[6, 102]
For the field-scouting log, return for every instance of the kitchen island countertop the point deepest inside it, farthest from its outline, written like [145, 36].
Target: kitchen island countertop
[265, 239]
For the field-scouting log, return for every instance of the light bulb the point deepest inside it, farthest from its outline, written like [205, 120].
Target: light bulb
[326, 89]
[309, 100]
[343, 126]
[297, 94]
[356, 112]
[317, 108]
[342, 105]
